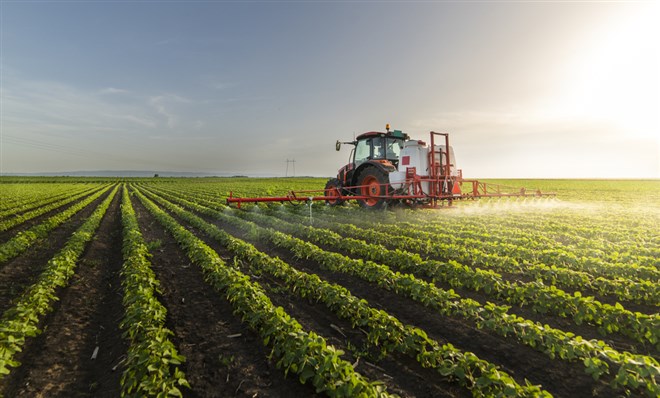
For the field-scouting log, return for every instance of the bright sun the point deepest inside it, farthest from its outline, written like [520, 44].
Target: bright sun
[614, 77]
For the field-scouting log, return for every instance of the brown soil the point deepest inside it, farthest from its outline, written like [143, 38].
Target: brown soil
[58, 362]
[518, 277]
[32, 204]
[223, 357]
[20, 272]
[8, 234]
[615, 340]
[522, 362]
[402, 375]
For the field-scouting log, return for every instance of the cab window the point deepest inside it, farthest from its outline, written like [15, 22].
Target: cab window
[377, 143]
[371, 148]
[362, 150]
[393, 148]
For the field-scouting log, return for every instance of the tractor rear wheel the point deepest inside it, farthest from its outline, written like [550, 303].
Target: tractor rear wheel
[333, 189]
[372, 182]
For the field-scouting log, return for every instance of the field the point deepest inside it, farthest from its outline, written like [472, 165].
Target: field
[141, 287]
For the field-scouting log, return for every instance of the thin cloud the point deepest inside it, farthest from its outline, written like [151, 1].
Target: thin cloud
[138, 120]
[180, 138]
[217, 83]
[168, 41]
[161, 104]
[221, 86]
[47, 106]
[112, 90]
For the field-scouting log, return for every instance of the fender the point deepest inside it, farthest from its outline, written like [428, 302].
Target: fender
[345, 174]
[384, 165]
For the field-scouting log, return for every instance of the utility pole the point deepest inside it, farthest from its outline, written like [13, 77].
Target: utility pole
[293, 164]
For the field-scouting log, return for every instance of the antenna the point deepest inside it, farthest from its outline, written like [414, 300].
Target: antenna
[293, 163]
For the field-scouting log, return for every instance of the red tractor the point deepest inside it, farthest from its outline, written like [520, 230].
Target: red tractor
[390, 168]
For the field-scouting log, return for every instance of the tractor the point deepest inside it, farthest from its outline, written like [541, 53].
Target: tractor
[389, 168]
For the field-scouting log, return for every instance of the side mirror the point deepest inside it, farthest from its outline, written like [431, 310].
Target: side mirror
[338, 145]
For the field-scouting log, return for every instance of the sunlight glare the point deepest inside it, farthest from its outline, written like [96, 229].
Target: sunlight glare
[615, 77]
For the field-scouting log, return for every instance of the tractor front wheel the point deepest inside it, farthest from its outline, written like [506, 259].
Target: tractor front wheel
[333, 189]
[372, 182]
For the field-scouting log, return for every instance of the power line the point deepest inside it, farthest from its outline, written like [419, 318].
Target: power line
[46, 146]
[293, 163]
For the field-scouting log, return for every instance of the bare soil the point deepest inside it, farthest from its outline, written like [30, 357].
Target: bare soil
[224, 358]
[6, 235]
[58, 363]
[402, 375]
[618, 341]
[20, 272]
[521, 362]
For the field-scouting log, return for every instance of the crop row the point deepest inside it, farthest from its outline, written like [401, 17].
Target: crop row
[12, 222]
[24, 239]
[634, 370]
[645, 328]
[22, 320]
[522, 247]
[294, 349]
[12, 195]
[630, 245]
[42, 200]
[624, 243]
[450, 248]
[544, 299]
[628, 253]
[570, 223]
[152, 361]
[530, 253]
[384, 330]
[643, 291]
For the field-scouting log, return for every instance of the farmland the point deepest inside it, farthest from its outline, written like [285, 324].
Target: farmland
[142, 287]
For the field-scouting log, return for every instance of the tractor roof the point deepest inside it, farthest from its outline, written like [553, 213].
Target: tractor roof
[394, 134]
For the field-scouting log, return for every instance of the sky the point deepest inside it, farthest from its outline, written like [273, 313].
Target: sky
[525, 89]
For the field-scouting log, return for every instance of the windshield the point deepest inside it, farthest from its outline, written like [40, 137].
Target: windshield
[393, 148]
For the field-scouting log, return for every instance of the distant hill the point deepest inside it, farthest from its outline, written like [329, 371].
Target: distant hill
[136, 173]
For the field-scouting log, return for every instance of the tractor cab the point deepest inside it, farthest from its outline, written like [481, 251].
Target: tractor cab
[375, 155]
[378, 146]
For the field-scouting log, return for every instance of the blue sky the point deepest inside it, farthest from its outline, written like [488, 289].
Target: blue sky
[526, 89]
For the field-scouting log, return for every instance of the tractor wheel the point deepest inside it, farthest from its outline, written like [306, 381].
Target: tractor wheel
[372, 182]
[333, 188]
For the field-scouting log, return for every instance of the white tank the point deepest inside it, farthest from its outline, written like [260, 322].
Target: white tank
[415, 154]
